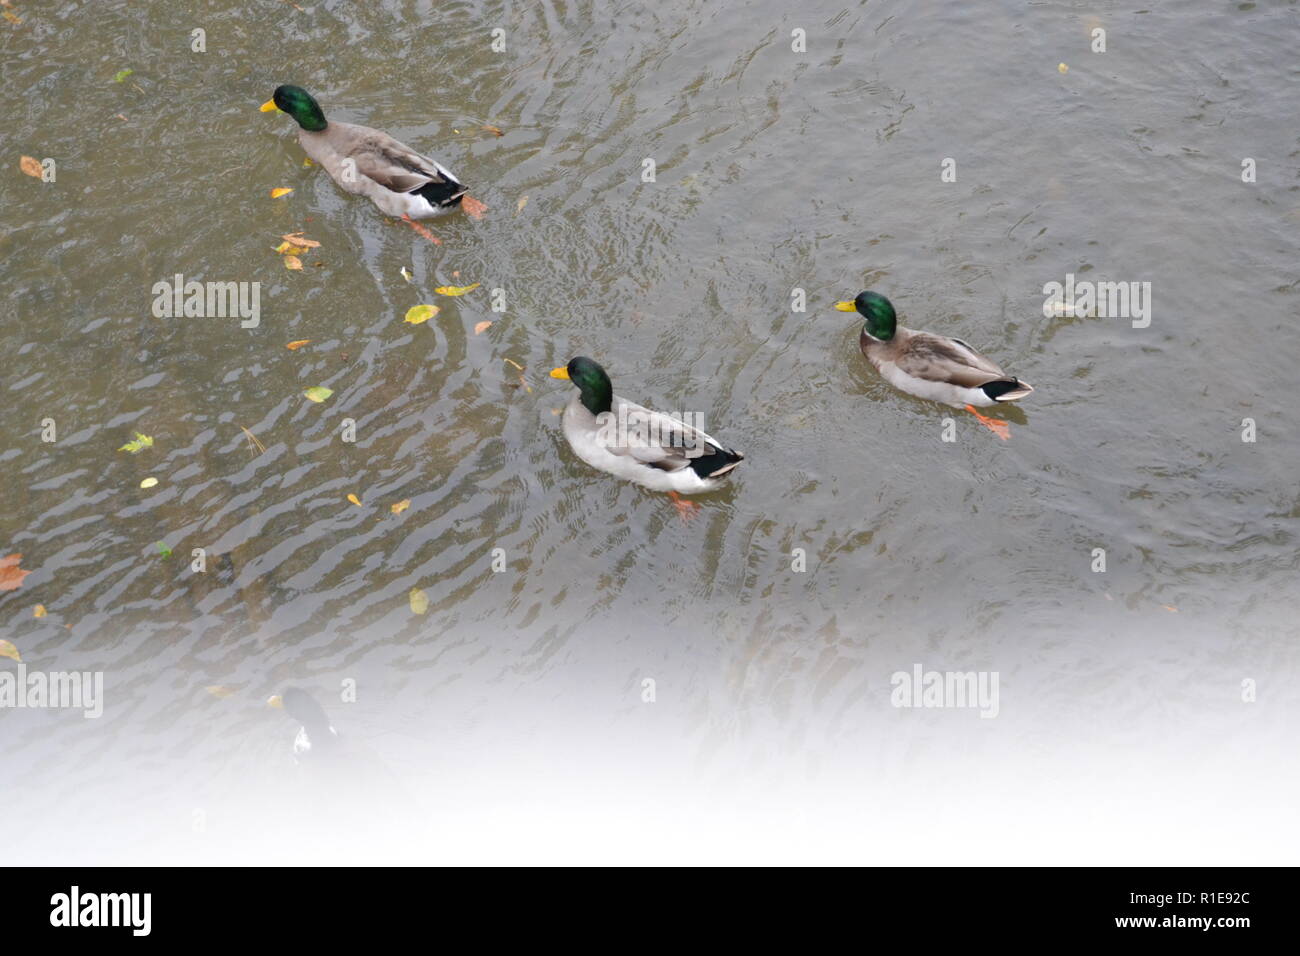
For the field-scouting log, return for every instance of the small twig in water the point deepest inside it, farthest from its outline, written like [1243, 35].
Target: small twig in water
[253, 443]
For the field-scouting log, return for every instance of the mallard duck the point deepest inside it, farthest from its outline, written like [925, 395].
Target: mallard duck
[398, 180]
[316, 733]
[344, 778]
[650, 448]
[932, 366]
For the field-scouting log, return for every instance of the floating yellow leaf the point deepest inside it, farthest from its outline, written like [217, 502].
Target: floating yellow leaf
[401, 506]
[421, 313]
[482, 327]
[405, 275]
[293, 263]
[473, 207]
[8, 650]
[419, 601]
[149, 482]
[355, 500]
[456, 289]
[295, 346]
[519, 206]
[308, 162]
[318, 393]
[493, 129]
[137, 444]
[38, 611]
[288, 248]
[31, 166]
[281, 191]
[13, 18]
[219, 691]
[1063, 68]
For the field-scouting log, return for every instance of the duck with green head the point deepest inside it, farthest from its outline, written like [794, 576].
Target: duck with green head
[932, 366]
[630, 441]
[367, 162]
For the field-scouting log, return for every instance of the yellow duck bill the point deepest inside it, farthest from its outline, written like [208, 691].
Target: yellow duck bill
[846, 307]
[560, 372]
[268, 106]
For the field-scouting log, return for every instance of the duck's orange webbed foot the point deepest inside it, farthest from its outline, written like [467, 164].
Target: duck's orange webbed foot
[686, 510]
[421, 230]
[996, 425]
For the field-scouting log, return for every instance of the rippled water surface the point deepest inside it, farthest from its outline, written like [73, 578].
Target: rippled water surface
[519, 695]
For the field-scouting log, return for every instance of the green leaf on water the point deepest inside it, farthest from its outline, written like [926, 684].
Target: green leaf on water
[122, 75]
[163, 550]
[319, 393]
[421, 313]
[137, 444]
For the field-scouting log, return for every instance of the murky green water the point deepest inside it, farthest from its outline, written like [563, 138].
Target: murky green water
[513, 710]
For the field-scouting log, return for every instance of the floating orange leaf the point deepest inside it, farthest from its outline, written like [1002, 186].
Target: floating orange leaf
[38, 611]
[456, 289]
[298, 239]
[31, 166]
[401, 506]
[482, 327]
[494, 130]
[473, 207]
[293, 263]
[295, 346]
[281, 191]
[355, 500]
[11, 576]
[8, 650]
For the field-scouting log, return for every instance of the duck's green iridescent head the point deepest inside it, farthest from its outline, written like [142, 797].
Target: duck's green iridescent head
[299, 104]
[593, 383]
[878, 312]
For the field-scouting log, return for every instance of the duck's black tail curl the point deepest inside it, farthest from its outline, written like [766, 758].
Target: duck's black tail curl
[1006, 390]
[717, 463]
[446, 194]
